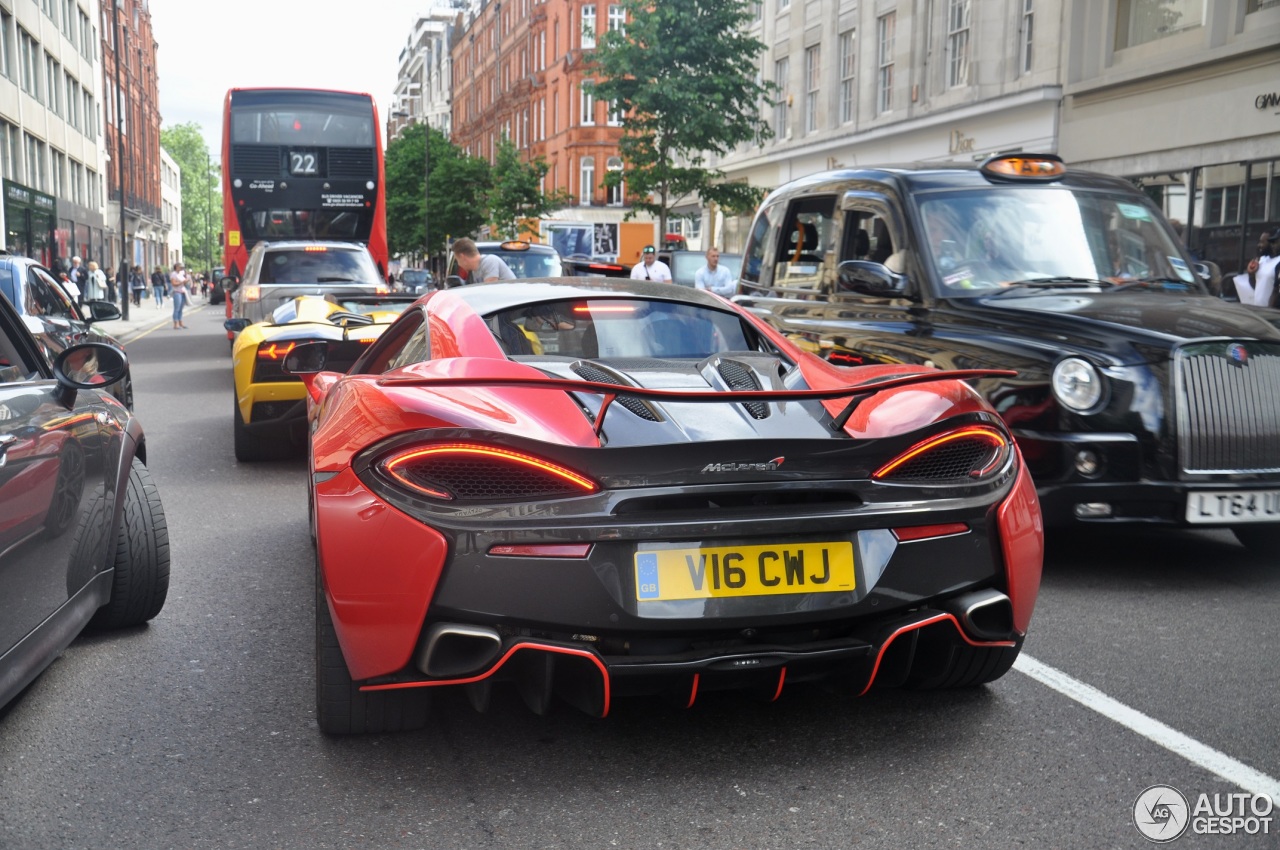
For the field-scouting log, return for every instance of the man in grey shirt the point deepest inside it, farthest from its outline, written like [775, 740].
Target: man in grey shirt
[480, 267]
[715, 277]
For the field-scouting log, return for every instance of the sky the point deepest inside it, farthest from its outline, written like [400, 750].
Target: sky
[206, 48]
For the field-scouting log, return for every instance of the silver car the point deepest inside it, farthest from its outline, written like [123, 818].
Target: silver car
[278, 272]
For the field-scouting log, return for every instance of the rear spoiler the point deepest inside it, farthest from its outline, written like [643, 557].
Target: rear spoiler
[856, 393]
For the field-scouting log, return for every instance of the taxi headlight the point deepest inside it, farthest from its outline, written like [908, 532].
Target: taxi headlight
[1077, 384]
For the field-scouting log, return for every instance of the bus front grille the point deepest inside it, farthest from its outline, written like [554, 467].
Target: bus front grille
[351, 162]
[256, 160]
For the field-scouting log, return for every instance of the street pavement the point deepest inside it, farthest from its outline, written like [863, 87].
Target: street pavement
[148, 317]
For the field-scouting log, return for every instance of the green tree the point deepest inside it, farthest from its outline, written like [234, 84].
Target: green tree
[684, 74]
[459, 186]
[201, 195]
[516, 197]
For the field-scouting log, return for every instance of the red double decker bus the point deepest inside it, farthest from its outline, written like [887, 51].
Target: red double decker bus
[301, 164]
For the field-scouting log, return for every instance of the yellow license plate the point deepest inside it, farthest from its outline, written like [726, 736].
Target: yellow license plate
[716, 572]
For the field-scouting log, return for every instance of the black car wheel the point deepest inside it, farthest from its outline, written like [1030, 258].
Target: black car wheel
[1261, 539]
[141, 581]
[259, 443]
[341, 707]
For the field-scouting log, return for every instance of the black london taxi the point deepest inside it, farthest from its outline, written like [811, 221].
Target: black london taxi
[1139, 396]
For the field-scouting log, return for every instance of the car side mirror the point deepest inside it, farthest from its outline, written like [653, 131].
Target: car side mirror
[236, 325]
[864, 277]
[100, 311]
[306, 358]
[453, 280]
[85, 366]
[227, 284]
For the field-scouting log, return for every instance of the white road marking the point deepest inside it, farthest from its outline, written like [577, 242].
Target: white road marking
[1235, 772]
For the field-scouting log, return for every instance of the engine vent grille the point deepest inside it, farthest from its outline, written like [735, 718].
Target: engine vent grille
[589, 372]
[742, 379]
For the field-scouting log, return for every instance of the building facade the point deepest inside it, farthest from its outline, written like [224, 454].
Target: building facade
[170, 212]
[424, 82]
[1184, 98]
[52, 162]
[527, 72]
[131, 133]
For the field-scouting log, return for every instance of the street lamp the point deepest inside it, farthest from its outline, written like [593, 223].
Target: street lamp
[122, 282]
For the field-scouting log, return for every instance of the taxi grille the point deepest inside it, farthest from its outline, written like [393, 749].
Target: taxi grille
[1229, 407]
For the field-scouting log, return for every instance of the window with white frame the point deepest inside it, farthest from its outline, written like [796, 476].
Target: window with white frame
[6, 27]
[77, 182]
[586, 180]
[1025, 39]
[588, 27]
[848, 71]
[784, 5]
[37, 171]
[812, 83]
[885, 27]
[73, 101]
[587, 106]
[58, 173]
[617, 18]
[615, 113]
[614, 196]
[52, 84]
[87, 35]
[29, 60]
[958, 20]
[782, 108]
[69, 20]
[1143, 21]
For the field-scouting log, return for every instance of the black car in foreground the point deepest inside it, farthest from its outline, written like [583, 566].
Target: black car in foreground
[54, 317]
[83, 537]
[1139, 397]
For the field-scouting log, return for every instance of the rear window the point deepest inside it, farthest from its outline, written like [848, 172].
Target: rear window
[330, 266]
[603, 328]
[530, 263]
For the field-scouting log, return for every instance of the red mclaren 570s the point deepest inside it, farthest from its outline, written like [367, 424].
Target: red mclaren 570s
[587, 489]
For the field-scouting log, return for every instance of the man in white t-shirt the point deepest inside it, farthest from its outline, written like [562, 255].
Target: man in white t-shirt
[650, 267]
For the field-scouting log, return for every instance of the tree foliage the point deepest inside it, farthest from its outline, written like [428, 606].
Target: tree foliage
[456, 205]
[516, 198]
[684, 73]
[201, 194]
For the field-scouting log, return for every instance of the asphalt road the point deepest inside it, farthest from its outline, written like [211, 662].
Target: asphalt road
[198, 730]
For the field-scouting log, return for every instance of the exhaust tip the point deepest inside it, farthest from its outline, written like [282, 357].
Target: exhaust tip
[985, 614]
[454, 649]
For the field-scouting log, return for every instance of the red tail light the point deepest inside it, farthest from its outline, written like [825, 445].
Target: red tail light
[963, 456]
[275, 350]
[470, 472]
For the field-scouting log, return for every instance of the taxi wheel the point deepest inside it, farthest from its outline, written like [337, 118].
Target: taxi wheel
[140, 584]
[1261, 539]
[341, 707]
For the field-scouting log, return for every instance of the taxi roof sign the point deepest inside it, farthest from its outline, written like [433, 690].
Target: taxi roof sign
[514, 245]
[1035, 168]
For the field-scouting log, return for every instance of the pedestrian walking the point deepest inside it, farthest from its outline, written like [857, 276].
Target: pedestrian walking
[94, 285]
[76, 273]
[111, 286]
[137, 285]
[157, 285]
[178, 288]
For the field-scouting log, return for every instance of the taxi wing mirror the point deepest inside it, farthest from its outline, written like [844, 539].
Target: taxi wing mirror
[864, 277]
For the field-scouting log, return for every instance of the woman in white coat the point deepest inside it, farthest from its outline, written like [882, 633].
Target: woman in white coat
[1256, 285]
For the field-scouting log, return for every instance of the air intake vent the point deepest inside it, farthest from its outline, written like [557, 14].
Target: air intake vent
[351, 162]
[256, 160]
[742, 379]
[589, 372]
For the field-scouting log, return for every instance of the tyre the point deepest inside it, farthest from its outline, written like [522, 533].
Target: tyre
[252, 445]
[341, 707]
[1262, 539]
[140, 584]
